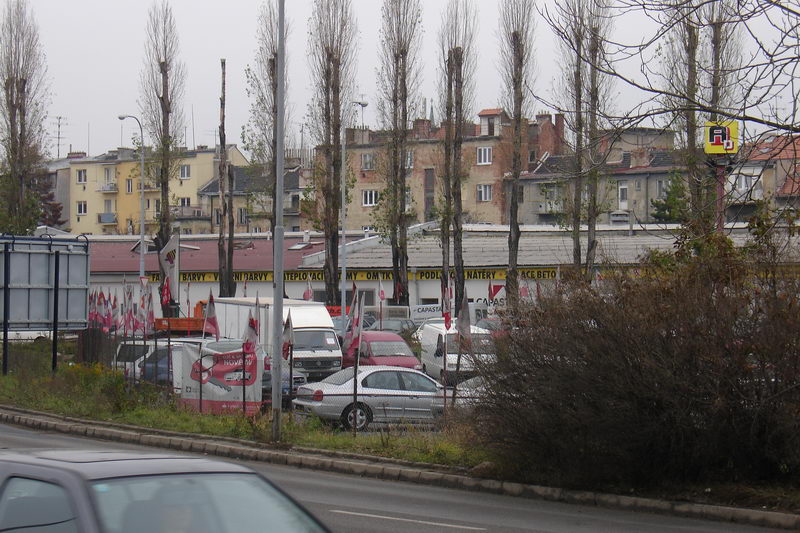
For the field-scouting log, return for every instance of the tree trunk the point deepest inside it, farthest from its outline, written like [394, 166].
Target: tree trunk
[222, 245]
[447, 182]
[512, 275]
[696, 175]
[458, 112]
[165, 222]
[594, 111]
[333, 117]
[578, 178]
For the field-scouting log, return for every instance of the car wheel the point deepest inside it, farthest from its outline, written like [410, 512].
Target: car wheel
[361, 415]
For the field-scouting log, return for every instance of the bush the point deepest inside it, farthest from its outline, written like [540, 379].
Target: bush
[686, 370]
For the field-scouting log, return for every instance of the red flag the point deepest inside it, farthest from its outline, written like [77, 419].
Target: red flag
[115, 320]
[524, 291]
[494, 289]
[288, 334]
[250, 336]
[381, 294]
[150, 321]
[165, 292]
[447, 313]
[353, 318]
[210, 324]
[309, 292]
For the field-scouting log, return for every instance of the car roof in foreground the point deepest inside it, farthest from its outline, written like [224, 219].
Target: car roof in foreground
[101, 464]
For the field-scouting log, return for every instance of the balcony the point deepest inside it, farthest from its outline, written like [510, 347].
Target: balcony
[107, 187]
[551, 206]
[187, 212]
[106, 218]
[148, 187]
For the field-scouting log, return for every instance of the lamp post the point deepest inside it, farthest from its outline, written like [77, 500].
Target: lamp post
[343, 217]
[141, 194]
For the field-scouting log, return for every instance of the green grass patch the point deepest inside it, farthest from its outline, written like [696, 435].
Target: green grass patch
[93, 392]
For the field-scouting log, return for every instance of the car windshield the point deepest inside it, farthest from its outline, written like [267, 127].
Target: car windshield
[389, 348]
[129, 353]
[314, 340]
[475, 343]
[197, 503]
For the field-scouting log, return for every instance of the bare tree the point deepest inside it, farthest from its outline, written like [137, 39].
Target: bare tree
[227, 286]
[331, 56]
[23, 111]
[581, 27]
[457, 62]
[398, 84]
[258, 134]
[516, 70]
[162, 85]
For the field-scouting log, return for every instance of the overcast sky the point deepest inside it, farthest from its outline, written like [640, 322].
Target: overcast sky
[94, 52]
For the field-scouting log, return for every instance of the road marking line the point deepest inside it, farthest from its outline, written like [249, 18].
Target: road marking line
[408, 520]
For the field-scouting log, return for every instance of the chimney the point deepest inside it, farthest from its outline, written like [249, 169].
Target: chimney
[541, 118]
[422, 128]
[306, 236]
[76, 155]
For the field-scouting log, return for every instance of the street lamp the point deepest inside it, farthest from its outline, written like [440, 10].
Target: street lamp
[141, 194]
[342, 215]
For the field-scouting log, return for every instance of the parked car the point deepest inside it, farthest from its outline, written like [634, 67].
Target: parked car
[395, 325]
[385, 394]
[71, 491]
[432, 336]
[381, 348]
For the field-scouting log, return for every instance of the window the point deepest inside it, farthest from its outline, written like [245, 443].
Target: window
[242, 215]
[638, 185]
[107, 206]
[33, 505]
[217, 216]
[186, 231]
[82, 175]
[371, 229]
[430, 181]
[744, 182]
[129, 185]
[410, 159]
[428, 301]
[485, 192]
[158, 207]
[256, 229]
[147, 204]
[382, 380]
[485, 155]
[521, 194]
[369, 198]
[419, 383]
[367, 161]
[185, 172]
[81, 208]
[185, 201]
[661, 188]
[108, 174]
[532, 156]
[490, 125]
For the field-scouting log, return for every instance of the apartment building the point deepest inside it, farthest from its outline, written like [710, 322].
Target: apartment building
[486, 156]
[105, 190]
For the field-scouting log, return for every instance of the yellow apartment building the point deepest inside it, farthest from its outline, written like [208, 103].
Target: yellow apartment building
[105, 191]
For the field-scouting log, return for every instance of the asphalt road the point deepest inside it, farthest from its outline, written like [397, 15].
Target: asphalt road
[354, 505]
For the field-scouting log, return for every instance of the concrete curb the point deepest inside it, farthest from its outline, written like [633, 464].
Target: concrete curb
[379, 469]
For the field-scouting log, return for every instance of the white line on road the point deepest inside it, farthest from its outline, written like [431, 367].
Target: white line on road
[454, 526]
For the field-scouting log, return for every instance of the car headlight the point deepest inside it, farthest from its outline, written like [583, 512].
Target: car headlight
[298, 364]
[338, 362]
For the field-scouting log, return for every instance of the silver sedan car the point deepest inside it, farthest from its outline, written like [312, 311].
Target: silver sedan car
[385, 394]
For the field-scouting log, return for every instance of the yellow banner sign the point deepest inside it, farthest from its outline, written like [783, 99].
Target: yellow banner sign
[489, 274]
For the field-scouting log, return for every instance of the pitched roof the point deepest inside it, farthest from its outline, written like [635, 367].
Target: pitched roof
[494, 111]
[248, 179]
[250, 254]
[777, 147]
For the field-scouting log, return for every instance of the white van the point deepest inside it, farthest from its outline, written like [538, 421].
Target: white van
[316, 345]
[433, 336]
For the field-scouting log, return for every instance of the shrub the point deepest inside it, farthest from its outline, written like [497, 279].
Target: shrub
[687, 369]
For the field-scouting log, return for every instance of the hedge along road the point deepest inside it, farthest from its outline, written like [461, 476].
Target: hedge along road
[354, 504]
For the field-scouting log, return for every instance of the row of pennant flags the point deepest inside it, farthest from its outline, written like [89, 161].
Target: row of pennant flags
[108, 313]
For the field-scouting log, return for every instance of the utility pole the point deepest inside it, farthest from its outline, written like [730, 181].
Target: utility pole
[58, 136]
[277, 264]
